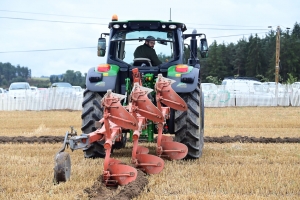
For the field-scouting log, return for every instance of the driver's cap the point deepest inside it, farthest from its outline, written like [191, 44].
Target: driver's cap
[149, 38]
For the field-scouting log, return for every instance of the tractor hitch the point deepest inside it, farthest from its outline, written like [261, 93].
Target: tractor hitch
[68, 135]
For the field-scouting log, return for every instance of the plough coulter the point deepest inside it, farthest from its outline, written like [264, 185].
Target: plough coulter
[133, 117]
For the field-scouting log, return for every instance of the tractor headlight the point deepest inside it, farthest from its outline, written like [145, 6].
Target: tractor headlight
[116, 26]
[172, 26]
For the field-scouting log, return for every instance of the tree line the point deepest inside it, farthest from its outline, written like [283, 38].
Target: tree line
[10, 74]
[71, 76]
[254, 57]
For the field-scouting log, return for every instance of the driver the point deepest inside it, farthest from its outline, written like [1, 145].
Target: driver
[147, 51]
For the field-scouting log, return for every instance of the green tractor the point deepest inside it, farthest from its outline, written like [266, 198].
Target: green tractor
[116, 75]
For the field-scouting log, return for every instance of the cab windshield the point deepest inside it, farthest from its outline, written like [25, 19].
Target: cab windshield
[127, 42]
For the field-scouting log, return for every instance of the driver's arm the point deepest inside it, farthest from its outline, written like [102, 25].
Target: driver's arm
[154, 58]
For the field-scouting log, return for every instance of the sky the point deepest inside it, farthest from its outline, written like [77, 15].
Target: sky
[53, 36]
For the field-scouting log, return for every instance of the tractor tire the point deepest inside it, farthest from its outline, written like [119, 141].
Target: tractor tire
[91, 112]
[121, 144]
[189, 125]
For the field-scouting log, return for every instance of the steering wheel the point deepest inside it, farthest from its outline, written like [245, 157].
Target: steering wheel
[142, 62]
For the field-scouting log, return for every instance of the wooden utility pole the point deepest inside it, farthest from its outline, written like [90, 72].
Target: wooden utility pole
[277, 63]
[277, 54]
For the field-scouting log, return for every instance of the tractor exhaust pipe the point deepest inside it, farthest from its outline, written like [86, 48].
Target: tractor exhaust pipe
[193, 60]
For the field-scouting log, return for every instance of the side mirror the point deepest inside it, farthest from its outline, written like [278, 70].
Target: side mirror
[203, 48]
[101, 47]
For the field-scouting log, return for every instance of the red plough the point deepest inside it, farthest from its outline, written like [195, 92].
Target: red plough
[116, 119]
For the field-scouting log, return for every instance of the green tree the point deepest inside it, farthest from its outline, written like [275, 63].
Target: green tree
[239, 59]
[291, 79]
[216, 64]
[74, 78]
[70, 76]
[254, 58]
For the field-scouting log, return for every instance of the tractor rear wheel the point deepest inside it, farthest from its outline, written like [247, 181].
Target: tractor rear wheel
[189, 125]
[91, 112]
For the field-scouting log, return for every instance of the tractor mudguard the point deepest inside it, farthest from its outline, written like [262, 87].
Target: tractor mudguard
[186, 82]
[101, 82]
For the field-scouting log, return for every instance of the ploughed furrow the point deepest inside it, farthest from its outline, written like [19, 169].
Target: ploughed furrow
[207, 139]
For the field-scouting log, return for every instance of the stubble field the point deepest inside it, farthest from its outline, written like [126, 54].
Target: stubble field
[225, 171]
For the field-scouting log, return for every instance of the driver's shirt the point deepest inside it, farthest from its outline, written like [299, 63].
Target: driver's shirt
[144, 51]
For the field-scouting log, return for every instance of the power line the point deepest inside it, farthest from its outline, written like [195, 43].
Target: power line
[51, 14]
[18, 18]
[222, 25]
[88, 17]
[36, 13]
[63, 49]
[237, 35]
[228, 29]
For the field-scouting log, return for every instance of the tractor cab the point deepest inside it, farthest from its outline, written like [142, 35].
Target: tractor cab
[126, 36]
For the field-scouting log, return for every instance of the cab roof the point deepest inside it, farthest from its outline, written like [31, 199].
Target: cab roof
[146, 25]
